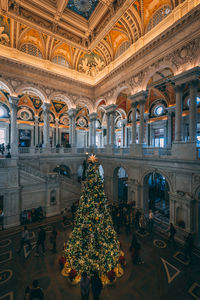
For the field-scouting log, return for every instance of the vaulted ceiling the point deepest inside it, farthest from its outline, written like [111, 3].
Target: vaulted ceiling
[84, 35]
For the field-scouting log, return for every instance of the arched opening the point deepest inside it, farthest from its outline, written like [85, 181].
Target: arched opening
[120, 186]
[80, 172]
[63, 170]
[157, 196]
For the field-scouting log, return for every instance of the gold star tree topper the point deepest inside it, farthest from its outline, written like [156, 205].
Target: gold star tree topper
[92, 158]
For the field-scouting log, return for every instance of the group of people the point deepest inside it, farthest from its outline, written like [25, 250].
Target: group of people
[29, 216]
[94, 283]
[127, 215]
[41, 239]
[35, 292]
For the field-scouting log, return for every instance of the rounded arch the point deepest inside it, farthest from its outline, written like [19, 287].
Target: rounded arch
[161, 172]
[121, 88]
[60, 96]
[153, 70]
[32, 89]
[120, 184]
[86, 102]
[63, 170]
[99, 102]
[4, 85]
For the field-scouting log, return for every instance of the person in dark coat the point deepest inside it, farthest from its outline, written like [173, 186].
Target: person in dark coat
[40, 241]
[53, 237]
[96, 286]
[85, 286]
[188, 246]
[36, 292]
[172, 232]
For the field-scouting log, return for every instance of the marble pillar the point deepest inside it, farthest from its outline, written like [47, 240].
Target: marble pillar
[46, 137]
[72, 131]
[193, 111]
[178, 113]
[112, 127]
[141, 129]
[36, 130]
[93, 118]
[134, 110]
[14, 128]
[108, 128]
[57, 131]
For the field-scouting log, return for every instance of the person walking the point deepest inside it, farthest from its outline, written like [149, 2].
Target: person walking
[188, 246]
[53, 237]
[24, 239]
[36, 292]
[40, 241]
[172, 232]
[85, 286]
[96, 286]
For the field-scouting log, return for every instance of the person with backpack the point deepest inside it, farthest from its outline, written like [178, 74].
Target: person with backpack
[96, 286]
[36, 292]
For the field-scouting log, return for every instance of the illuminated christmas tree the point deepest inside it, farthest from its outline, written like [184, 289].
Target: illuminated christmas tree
[93, 243]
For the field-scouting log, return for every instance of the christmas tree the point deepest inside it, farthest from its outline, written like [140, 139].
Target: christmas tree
[93, 243]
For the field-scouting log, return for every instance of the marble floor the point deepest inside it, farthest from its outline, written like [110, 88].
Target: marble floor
[165, 274]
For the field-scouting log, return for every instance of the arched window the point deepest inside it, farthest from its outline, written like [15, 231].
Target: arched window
[31, 49]
[60, 60]
[122, 48]
[158, 16]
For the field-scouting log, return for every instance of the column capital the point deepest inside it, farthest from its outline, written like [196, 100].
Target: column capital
[178, 88]
[93, 116]
[134, 104]
[46, 106]
[194, 83]
[111, 108]
[57, 121]
[140, 96]
[36, 118]
[13, 101]
[72, 112]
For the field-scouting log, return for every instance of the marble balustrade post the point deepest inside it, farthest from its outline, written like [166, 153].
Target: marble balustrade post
[178, 113]
[193, 111]
[14, 128]
[46, 136]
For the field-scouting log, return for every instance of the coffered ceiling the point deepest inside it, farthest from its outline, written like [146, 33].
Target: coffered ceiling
[82, 35]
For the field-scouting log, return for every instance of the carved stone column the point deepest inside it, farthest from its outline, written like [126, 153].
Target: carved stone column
[193, 111]
[57, 131]
[93, 118]
[141, 129]
[108, 128]
[178, 113]
[46, 110]
[112, 133]
[134, 110]
[14, 129]
[72, 131]
[36, 130]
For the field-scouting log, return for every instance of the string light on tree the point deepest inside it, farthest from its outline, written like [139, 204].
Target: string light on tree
[93, 243]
